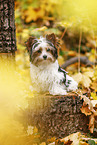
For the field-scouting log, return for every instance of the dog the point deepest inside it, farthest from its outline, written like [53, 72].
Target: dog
[46, 74]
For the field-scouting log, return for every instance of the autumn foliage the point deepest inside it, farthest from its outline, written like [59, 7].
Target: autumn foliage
[75, 24]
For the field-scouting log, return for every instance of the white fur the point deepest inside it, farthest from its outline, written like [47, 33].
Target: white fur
[46, 78]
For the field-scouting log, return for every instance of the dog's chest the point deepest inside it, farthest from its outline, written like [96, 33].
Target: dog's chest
[42, 77]
[45, 78]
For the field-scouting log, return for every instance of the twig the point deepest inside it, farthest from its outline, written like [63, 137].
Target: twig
[62, 37]
[83, 60]
[63, 33]
[79, 51]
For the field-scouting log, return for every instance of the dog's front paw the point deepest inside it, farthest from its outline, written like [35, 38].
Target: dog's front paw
[57, 91]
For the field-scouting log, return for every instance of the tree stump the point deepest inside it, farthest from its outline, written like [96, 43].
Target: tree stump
[56, 116]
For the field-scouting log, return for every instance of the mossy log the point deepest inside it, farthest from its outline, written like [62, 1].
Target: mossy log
[56, 116]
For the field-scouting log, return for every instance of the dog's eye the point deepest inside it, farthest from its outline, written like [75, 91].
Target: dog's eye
[48, 50]
[39, 51]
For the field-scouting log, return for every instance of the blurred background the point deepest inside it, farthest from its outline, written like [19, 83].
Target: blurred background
[75, 23]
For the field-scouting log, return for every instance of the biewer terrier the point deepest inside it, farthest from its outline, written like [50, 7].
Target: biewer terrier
[46, 74]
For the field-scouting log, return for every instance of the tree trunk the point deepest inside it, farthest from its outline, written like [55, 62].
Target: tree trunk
[56, 116]
[7, 27]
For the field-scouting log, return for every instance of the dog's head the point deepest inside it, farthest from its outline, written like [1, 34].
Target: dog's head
[43, 50]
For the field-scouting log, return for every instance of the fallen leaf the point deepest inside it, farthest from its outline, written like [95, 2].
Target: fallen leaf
[82, 79]
[94, 86]
[60, 60]
[94, 103]
[83, 143]
[51, 140]
[32, 14]
[75, 137]
[39, 29]
[86, 102]
[72, 53]
[86, 81]
[77, 77]
[43, 143]
[85, 110]
[30, 130]
[89, 74]
[94, 96]
[68, 142]
[91, 123]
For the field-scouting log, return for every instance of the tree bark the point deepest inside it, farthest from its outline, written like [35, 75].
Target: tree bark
[7, 27]
[56, 116]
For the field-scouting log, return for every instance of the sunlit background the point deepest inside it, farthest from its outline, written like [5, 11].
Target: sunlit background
[40, 17]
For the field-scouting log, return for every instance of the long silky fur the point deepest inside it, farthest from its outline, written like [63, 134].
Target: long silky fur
[49, 77]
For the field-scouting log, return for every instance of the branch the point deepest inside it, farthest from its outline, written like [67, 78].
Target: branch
[83, 60]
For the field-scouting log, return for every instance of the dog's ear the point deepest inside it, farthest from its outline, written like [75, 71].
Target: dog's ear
[52, 38]
[30, 43]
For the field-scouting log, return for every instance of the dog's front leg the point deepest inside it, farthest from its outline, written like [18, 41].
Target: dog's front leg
[71, 85]
[57, 90]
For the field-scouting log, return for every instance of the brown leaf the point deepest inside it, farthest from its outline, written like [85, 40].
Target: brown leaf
[95, 113]
[68, 142]
[86, 110]
[91, 123]
[87, 101]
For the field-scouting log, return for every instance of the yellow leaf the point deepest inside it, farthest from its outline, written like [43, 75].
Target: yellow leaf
[72, 53]
[40, 29]
[33, 14]
[77, 77]
[94, 86]
[25, 33]
[89, 74]
[83, 143]
[75, 137]
[35, 130]
[92, 58]
[94, 96]
[21, 47]
[30, 130]
[86, 81]
[60, 60]
[82, 79]
[43, 143]
[66, 24]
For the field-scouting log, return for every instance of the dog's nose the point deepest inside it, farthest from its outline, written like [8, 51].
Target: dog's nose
[45, 56]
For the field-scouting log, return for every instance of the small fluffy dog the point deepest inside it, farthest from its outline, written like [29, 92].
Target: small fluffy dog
[46, 74]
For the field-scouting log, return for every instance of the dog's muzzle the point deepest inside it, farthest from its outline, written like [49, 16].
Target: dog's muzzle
[45, 57]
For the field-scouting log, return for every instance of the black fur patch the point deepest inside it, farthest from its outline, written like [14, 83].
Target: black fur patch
[64, 72]
[35, 45]
[55, 54]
